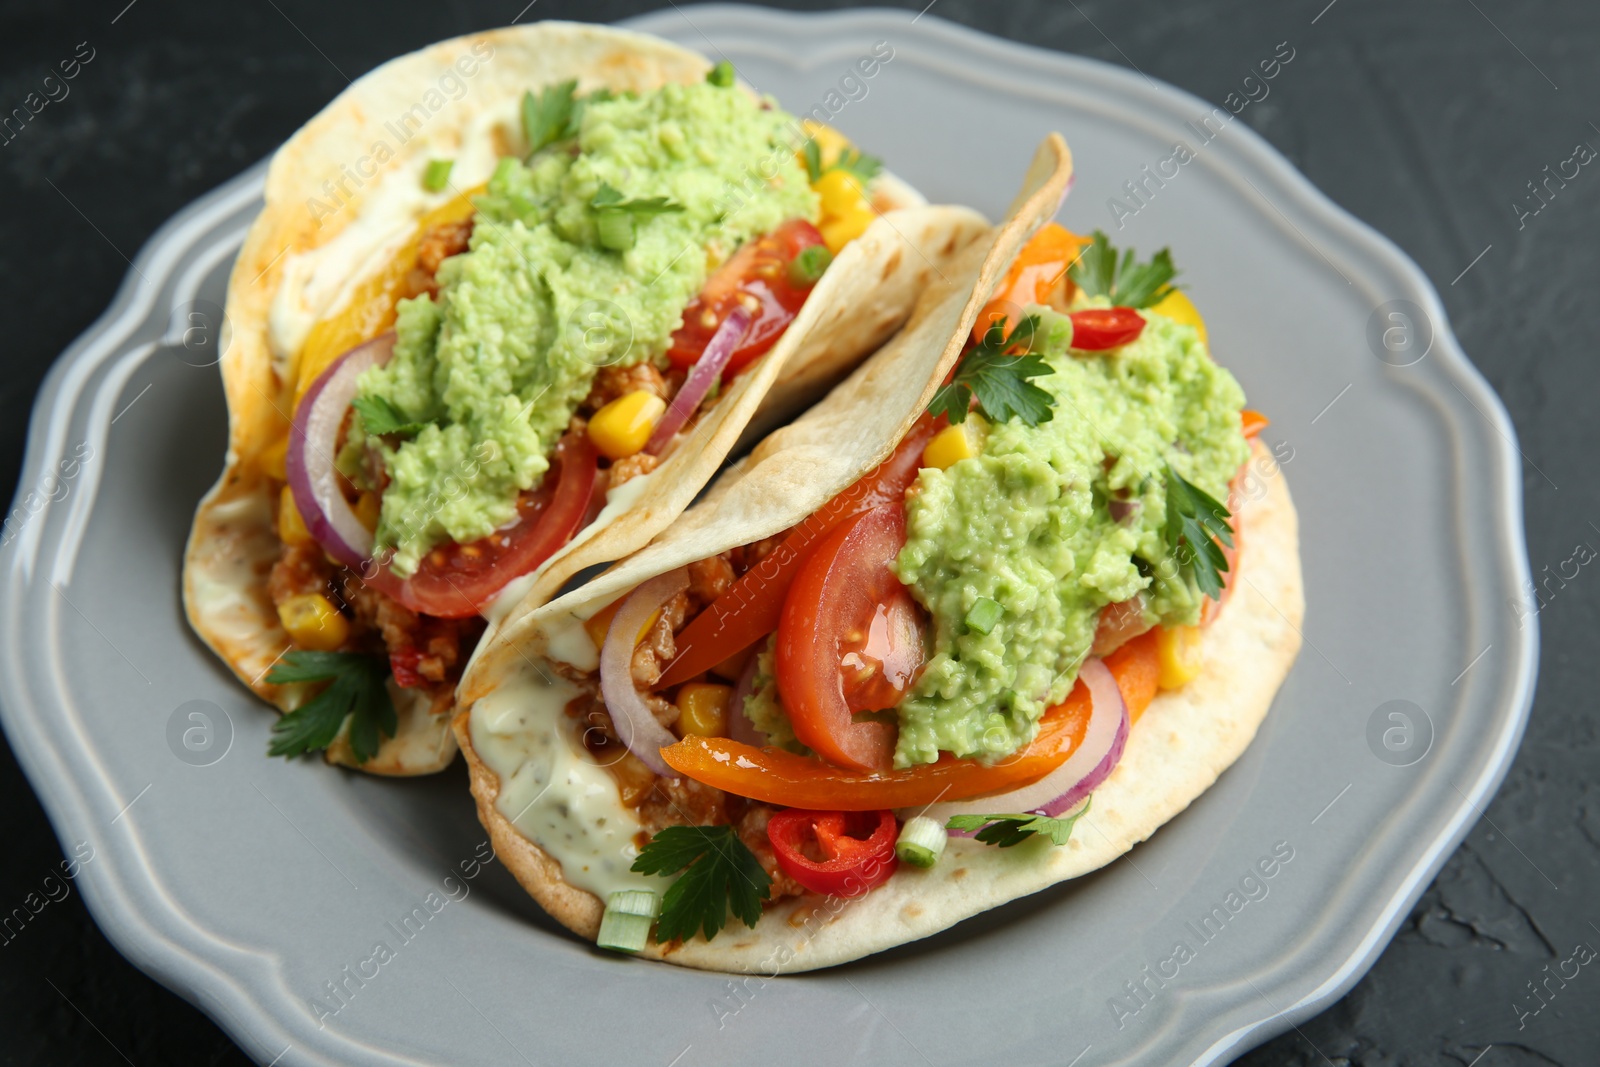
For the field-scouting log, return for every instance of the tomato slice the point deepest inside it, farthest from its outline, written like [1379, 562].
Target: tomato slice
[750, 609]
[1037, 276]
[850, 640]
[760, 271]
[774, 776]
[454, 581]
[1098, 329]
[857, 849]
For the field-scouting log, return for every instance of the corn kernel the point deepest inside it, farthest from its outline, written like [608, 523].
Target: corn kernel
[274, 460]
[313, 622]
[291, 526]
[622, 427]
[1179, 308]
[1179, 651]
[841, 193]
[599, 624]
[831, 144]
[951, 445]
[840, 231]
[703, 709]
[367, 509]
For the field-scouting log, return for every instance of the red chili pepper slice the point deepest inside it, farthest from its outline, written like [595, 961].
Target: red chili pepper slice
[857, 849]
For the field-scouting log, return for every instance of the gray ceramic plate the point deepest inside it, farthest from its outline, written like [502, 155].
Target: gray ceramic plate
[249, 885]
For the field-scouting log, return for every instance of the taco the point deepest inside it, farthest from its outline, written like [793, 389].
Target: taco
[977, 623]
[509, 303]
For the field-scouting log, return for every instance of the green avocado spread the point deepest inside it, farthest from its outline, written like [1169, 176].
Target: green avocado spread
[1025, 523]
[496, 364]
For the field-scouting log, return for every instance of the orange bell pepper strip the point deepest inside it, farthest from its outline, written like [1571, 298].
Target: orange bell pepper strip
[1253, 422]
[774, 776]
[1040, 267]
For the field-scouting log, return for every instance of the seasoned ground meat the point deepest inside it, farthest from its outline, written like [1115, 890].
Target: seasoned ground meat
[748, 556]
[437, 245]
[710, 578]
[658, 648]
[630, 467]
[614, 382]
[300, 569]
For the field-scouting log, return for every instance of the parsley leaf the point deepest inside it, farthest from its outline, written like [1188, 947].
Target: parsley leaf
[616, 217]
[999, 381]
[357, 692]
[548, 117]
[1127, 284]
[1008, 830]
[380, 417]
[719, 873]
[1195, 521]
[864, 167]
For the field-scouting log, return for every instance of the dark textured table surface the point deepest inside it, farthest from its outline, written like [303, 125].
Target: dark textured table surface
[1429, 120]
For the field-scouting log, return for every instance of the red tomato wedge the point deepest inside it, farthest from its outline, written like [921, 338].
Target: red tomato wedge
[1098, 329]
[752, 606]
[759, 272]
[1037, 276]
[454, 581]
[857, 849]
[850, 639]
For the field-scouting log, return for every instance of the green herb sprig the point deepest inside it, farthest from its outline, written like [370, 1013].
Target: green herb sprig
[1195, 523]
[1005, 831]
[617, 217]
[547, 117]
[719, 874]
[358, 692]
[381, 418]
[1126, 283]
[999, 381]
[863, 167]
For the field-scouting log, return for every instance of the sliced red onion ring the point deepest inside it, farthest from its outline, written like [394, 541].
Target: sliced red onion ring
[639, 730]
[1066, 786]
[702, 376]
[314, 443]
[740, 728]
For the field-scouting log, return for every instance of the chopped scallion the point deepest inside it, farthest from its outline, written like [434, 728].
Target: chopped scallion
[983, 615]
[437, 176]
[625, 927]
[616, 230]
[921, 842]
[808, 265]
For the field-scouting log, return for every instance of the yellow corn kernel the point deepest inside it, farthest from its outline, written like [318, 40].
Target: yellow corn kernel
[703, 709]
[291, 526]
[274, 460]
[841, 193]
[313, 622]
[1179, 308]
[1179, 650]
[367, 509]
[838, 232]
[599, 624]
[622, 427]
[950, 445]
[830, 143]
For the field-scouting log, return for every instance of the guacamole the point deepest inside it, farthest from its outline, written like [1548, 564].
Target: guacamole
[1026, 524]
[497, 363]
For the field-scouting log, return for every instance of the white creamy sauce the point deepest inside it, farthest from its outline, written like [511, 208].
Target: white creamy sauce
[551, 788]
[316, 284]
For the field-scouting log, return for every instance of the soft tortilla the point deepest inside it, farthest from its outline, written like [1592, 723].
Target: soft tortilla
[865, 296]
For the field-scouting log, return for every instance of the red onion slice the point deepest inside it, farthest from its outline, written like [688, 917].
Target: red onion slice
[1066, 786]
[740, 728]
[314, 443]
[702, 376]
[638, 728]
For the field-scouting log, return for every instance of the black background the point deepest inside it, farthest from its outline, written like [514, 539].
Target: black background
[1426, 119]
